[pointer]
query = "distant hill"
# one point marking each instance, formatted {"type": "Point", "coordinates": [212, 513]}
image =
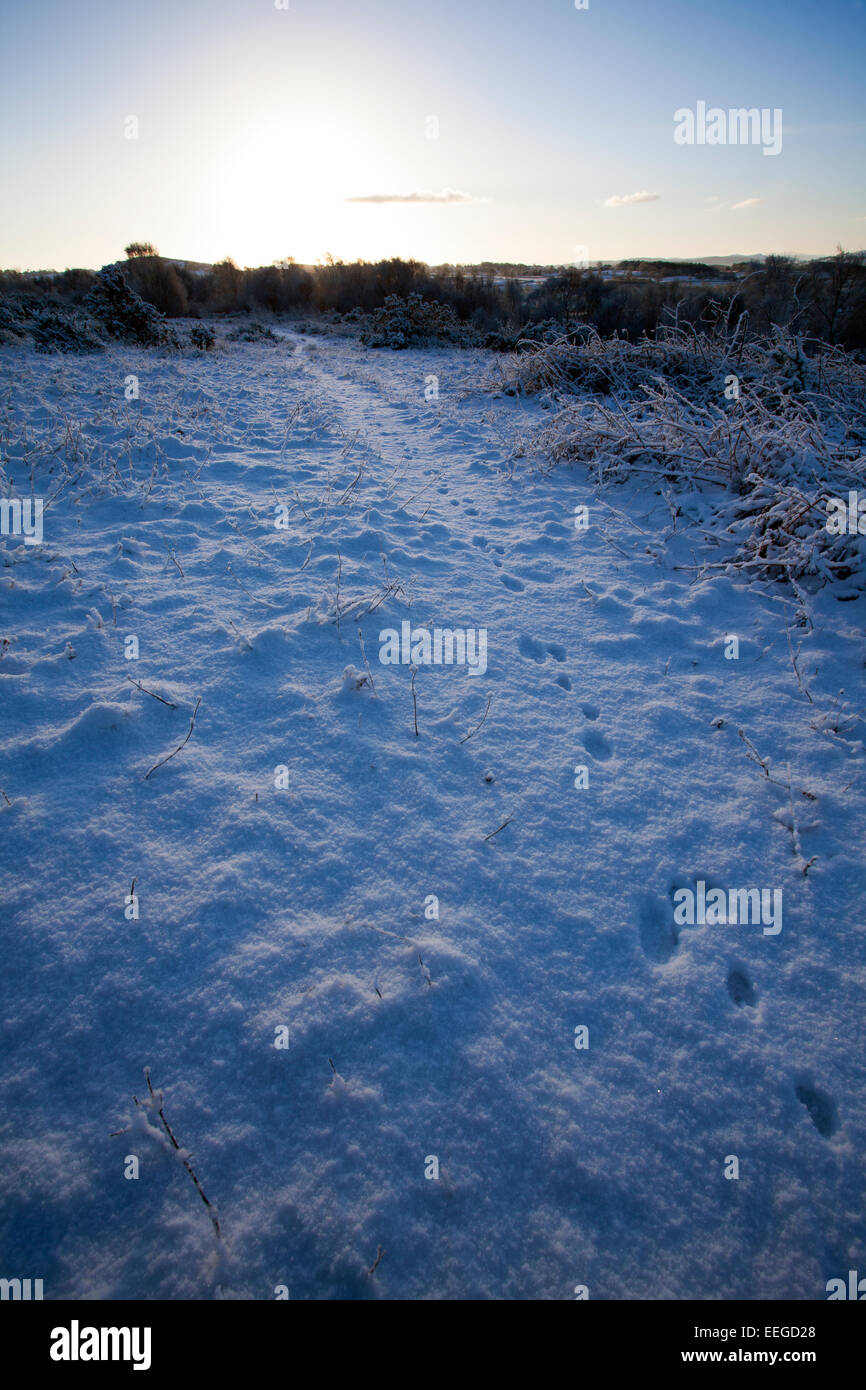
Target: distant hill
{"type": "Point", "coordinates": [739, 259]}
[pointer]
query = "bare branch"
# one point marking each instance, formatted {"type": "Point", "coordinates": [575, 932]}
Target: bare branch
{"type": "Point", "coordinates": [163, 761]}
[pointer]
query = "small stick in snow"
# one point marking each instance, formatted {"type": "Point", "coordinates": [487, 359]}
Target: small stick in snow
{"type": "Point", "coordinates": [466, 737]}
{"type": "Point", "coordinates": [421, 491]}
{"type": "Point", "coordinates": [755, 757]}
{"type": "Point", "coordinates": [171, 556]}
{"type": "Point", "coordinates": [138, 685]}
{"type": "Point", "coordinates": [501, 827]}
{"type": "Point", "coordinates": [796, 668]}
{"type": "Point", "coordinates": [379, 1253]}
{"type": "Point", "coordinates": [255, 598]}
{"type": "Point", "coordinates": [184, 1159]}
{"type": "Point", "coordinates": [754, 754]}
{"type": "Point", "coordinates": [5, 797]}
{"type": "Point", "coordinates": [180, 745]}
{"type": "Point", "coordinates": [415, 700]}
{"type": "Point", "coordinates": [354, 483]}
{"type": "Point", "coordinates": [366, 662]}
{"type": "Point", "coordinates": [795, 834]}
{"type": "Point", "coordinates": [350, 446]}
{"type": "Point", "coordinates": [249, 645]}
{"type": "Point", "coordinates": [426, 971]}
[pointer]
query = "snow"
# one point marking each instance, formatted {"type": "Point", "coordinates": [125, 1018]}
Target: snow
{"type": "Point", "coordinates": [309, 906]}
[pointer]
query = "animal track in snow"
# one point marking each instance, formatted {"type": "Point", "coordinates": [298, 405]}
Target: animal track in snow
{"type": "Point", "coordinates": [821, 1107]}
{"type": "Point", "coordinates": [740, 987]}
{"type": "Point", "coordinates": [597, 745]}
{"type": "Point", "coordinates": [527, 646]}
{"type": "Point", "coordinates": [658, 933]}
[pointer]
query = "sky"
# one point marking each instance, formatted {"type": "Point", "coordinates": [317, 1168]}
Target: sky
{"type": "Point", "coordinates": [445, 130]}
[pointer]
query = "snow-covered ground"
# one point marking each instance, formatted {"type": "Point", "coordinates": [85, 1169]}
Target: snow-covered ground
{"type": "Point", "coordinates": [285, 860]}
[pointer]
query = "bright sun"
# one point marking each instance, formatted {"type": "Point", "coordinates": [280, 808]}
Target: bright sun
{"type": "Point", "coordinates": [281, 190]}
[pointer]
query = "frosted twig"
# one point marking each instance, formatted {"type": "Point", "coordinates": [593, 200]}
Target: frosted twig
{"type": "Point", "coordinates": [795, 666]}
{"type": "Point", "coordinates": [466, 737]}
{"type": "Point", "coordinates": [366, 662]}
{"type": "Point", "coordinates": [795, 834]}
{"type": "Point", "coordinates": [163, 761]}
{"type": "Point", "coordinates": [415, 700]}
{"type": "Point", "coordinates": [354, 483]}
{"type": "Point", "coordinates": [755, 756]}
{"type": "Point", "coordinates": [158, 1102]}
{"type": "Point", "coordinates": [501, 827]}
{"type": "Point", "coordinates": [138, 685]}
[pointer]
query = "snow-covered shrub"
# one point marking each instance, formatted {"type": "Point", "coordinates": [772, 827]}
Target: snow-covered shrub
{"type": "Point", "coordinates": [780, 429]}
{"type": "Point", "coordinates": [59, 330]}
{"type": "Point", "coordinates": [202, 337]}
{"type": "Point", "coordinates": [415, 322]}
{"type": "Point", "coordinates": [11, 327]}
{"type": "Point", "coordinates": [123, 313]}
{"type": "Point", "coordinates": [252, 333]}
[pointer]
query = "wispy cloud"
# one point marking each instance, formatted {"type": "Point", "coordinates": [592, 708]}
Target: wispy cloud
{"type": "Point", "coordinates": [746, 203]}
{"type": "Point", "coordinates": [617, 201]}
{"type": "Point", "coordinates": [448, 195]}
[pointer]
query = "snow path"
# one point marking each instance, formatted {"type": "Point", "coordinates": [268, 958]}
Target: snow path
{"type": "Point", "coordinates": [305, 907]}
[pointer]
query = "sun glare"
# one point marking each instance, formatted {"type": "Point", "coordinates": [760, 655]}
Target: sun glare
{"type": "Point", "coordinates": [281, 190]}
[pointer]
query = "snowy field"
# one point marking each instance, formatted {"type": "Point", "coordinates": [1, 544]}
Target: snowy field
{"type": "Point", "coordinates": [466, 938]}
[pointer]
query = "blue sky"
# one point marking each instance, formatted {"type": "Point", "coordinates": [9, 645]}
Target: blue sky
{"type": "Point", "coordinates": [258, 126]}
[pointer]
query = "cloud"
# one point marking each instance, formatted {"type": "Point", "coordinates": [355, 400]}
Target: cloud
{"type": "Point", "coordinates": [448, 195]}
{"type": "Point", "coordinates": [746, 203]}
{"type": "Point", "coordinates": [621, 202]}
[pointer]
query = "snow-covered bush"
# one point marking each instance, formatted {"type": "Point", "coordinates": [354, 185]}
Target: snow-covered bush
{"type": "Point", "coordinates": [202, 337]}
{"type": "Point", "coordinates": [252, 333]}
{"type": "Point", "coordinates": [59, 330]}
{"type": "Point", "coordinates": [123, 313]}
{"type": "Point", "coordinates": [11, 327]}
{"type": "Point", "coordinates": [780, 429]}
{"type": "Point", "coordinates": [415, 322]}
